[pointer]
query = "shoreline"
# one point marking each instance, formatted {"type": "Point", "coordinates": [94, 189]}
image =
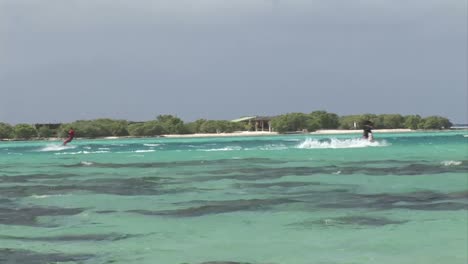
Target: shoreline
{"type": "Point", "coordinates": [249, 134]}
{"type": "Point", "coordinates": [359, 131]}
{"type": "Point", "coordinates": [266, 133]}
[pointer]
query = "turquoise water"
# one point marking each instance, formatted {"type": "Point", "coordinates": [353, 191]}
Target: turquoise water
{"type": "Point", "coordinates": [273, 199]}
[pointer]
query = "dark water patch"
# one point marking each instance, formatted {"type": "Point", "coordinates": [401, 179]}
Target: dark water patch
{"type": "Point", "coordinates": [443, 206]}
{"type": "Point", "coordinates": [261, 173]}
{"type": "Point", "coordinates": [114, 186]}
{"type": "Point", "coordinates": [127, 187]}
{"type": "Point", "coordinates": [4, 201]}
{"type": "Point", "coordinates": [38, 190]}
{"type": "Point", "coordinates": [388, 162]}
{"type": "Point", "coordinates": [106, 211]}
{"type": "Point", "coordinates": [368, 221]}
{"type": "Point", "coordinates": [458, 195]}
{"type": "Point", "coordinates": [174, 164]}
{"type": "Point", "coordinates": [133, 186]}
{"type": "Point", "coordinates": [411, 169]}
{"type": "Point", "coordinates": [225, 262]}
{"type": "Point", "coordinates": [71, 238]}
{"type": "Point", "coordinates": [349, 221]}
{"type": "Point", "coordinates": [416, 197]}
{"type": "Point", "coordinates": [34, 177]}
{"type": "Point", "coordinates": [293, 189]}
{"type": "Point", "coordinates": [292, 184]}
{"type": "Point", "coordinates": [8, 255]}
{"type": "Point", "coordinates": [275, 172]}
{"type": "Point", "coordinates": [28, 216]}
{"type": "Point", "coordinates": [219, 207]}
{"type": "Point", "coordinates": [276, 184]}
{"type": "Point", "coordinates": [423, 200]}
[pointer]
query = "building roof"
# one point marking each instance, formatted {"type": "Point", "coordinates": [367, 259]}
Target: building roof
{"type": "Point", "coordinates": [245, 118]}
{"type": "Point", "coordinates": [253, 118]}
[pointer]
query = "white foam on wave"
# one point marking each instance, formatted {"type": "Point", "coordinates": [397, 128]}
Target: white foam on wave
{"type": "Point", "coordinates": [293, 140]}
{"type": "Point", "coordinates": [451, 163]}
{"type": "Point", "coordinates": [144, 150]}
{"type": "Point", "coordinates": [48, 196]}
{"type": "Point", "coordinates": [56, 147]}
{"type": "Point", "coordinates": [87, 163]}
{"type": "Point", "coordinates": [152, 145]}
{"type": "Point", "coordinates": [334, 143]}
{"type": "Point", "coordinates": [40, 196]}
{"type": "Point", "coordinates": [222, 149]}
{"type": "Point", "coordinates": [82, 152]}
{"type": "Point", "coordinates": [269, 147]}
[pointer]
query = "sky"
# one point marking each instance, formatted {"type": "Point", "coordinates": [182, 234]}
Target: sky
{"type": "Point", "coordinates": [62, 61]}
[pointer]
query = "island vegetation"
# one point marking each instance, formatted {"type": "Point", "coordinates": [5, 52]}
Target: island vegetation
{"type": "Point", "coordinates": [169, 124]}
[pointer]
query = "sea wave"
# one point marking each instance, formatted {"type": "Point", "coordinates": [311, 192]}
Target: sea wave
{"type": "Point", "coordinates": [82, 152]}
{"type": "Point", "coordinates": [47, 196]}
{"type": "Point", "coordinates": [152, 145]}
{"type": "Point", "coordinates": [271, 147]}
{"type": "Point", "coordinates": [451, 163]}
{"type": "Point", "coordinates": [56, 147]}
{"type": "Point", "coordinates": [334, 143]}
{"type": "Point", "coordinates": [222, 149]}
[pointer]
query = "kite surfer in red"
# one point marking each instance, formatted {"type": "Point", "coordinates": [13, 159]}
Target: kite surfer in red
{"type": "Point", "coordinates": [71, 135]}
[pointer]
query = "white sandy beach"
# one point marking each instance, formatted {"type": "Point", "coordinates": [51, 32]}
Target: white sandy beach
{"type": "Point", "coordinates": [252, 133]}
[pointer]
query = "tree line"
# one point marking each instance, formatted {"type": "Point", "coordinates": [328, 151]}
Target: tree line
{"type": "Point", "coordinates": [324, 120]}
{"type": "Point", "coordinates": [169, 124]}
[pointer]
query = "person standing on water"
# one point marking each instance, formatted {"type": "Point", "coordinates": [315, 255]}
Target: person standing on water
{"type": "Point", "coordinates": [71, 135]}
{"type": "Point", "coordinates": [367, 131]}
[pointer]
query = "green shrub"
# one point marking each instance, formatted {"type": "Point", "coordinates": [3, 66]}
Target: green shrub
{"type": "Point", "coordinates": [24, 131]}
{"type": "Point", "coordinates": [6, 131]}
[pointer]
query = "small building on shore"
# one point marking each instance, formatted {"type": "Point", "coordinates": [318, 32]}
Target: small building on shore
{"type": "Point", "coordinates": [256, 123]}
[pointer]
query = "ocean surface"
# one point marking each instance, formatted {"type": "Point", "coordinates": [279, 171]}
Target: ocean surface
{"type": "Point", "coordinates": [295, 199]}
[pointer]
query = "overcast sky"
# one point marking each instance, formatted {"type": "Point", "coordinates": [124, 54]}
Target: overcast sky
{"type": "Point", "coordinates": [221, 59]}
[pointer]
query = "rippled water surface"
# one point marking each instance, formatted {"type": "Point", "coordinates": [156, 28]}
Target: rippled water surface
{"type": "Point", "coordinates": [296, 199]}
